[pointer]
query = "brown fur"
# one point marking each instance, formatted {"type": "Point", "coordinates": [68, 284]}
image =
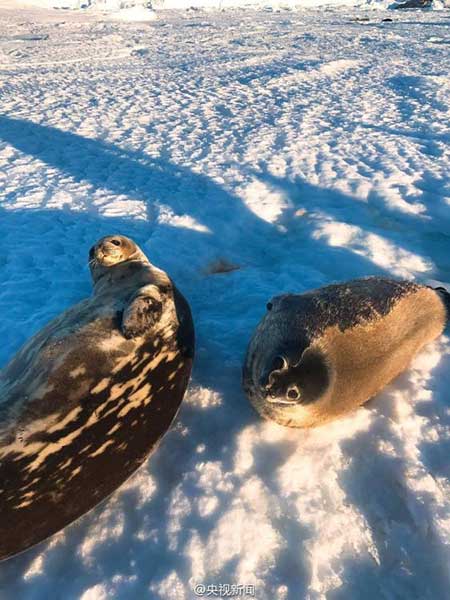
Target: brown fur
{"type": "Point", "coordinates": [89, 396]}
{"type": "Point", "coordinates": [364, 358]}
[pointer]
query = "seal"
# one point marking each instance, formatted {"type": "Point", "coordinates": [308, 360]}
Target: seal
{"type": "Point", "coordinates": [84, 402]}
{"type": "Point", "coordinates": [318, 355]}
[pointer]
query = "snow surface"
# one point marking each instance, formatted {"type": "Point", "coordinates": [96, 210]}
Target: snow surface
{"type": "Point", "coordinates": [289, 149]}
{"type": "Point", "coordinates": [141, 9]}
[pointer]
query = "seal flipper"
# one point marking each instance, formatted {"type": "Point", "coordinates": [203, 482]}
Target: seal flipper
{"type": "Point", "coordinates": [142, 312]}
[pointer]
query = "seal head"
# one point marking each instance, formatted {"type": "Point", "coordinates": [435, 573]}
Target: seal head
{"type": "Point", "coordinates": [290, 381]}
{"type": "Point", "coordinates": [113, 250]}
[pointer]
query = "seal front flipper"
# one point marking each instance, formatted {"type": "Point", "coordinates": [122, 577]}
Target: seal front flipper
{"type": "Point", "coordinates": [143, 312]}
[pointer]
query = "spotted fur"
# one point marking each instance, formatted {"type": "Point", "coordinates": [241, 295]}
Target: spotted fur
{"type": "Point", "coordinates": [89, 396]}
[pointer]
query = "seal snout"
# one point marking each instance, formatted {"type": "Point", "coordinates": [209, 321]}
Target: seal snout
{"type": "Point", "coordinates": [280, 383]}
{"type": "Point", "coordinates": [111, 250]}
{"type": "Point", "coordinates": [108, 250]}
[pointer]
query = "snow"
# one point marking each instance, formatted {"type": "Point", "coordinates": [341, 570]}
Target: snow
{"type": "Point", "coordinates": [249, 152]}
{"type": "Point", "coordinates": [142, 10]}
{"type": "Point", "coordinates": [135, 13]}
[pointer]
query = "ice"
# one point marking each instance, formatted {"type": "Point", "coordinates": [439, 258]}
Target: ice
{"type": "Point", "coordinates": [249, 152]}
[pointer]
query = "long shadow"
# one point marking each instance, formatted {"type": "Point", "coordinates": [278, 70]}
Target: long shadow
{"type": "Point", "coordinates": [269, 257]}
{"type": "Point", "coordinates": [424, 234]}
{"type": "Point", "coordinates": [28, 238]}
{"type": "Point", "coordinates": [411, 561]}
{"type": "Point", "coordinates": [223, 225]}
{"type": "Point", "coordinates": [411, 556]}
{"type": "Point", "coordinates": [122, 171]}
{"type": "Point", "coordinates": [435, 453]}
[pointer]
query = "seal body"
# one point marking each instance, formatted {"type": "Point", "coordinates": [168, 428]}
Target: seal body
{"type": "Point", "coordinates": [89, 396]}
{"type": "Point", "coordinates": [316, 356]}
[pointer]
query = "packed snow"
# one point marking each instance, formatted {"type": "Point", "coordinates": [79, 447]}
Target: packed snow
{"type": "Point", "coordinates": [249, 152]}
{"type": "Point", "coordinates": [140, 10]}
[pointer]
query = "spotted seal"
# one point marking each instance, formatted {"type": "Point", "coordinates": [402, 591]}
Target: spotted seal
{"type": "Point", "coordinates": [316, 356]}
{"type": "Point", "coordinates": [89, 396]}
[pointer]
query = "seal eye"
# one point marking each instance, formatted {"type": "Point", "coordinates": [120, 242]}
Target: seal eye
{"type": "Point", "coordinates": [293, 394]}
{"type": "Point", "coordinates": [116, 242]}
{"type": "Point", "coordinates": [269, 306]}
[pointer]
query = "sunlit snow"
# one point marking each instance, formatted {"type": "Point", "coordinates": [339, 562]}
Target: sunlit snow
{"type": "Point", "coordinates": [249, 152]}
